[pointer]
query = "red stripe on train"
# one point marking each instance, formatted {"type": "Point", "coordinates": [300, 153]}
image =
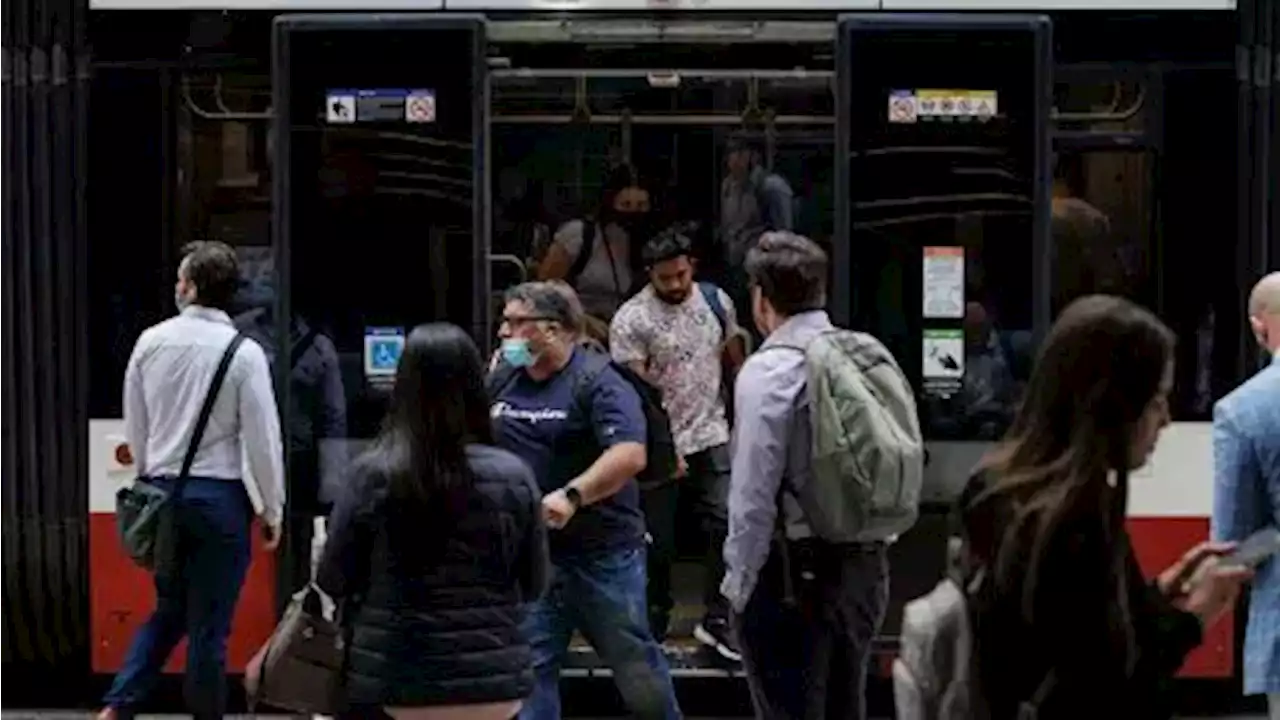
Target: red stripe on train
{"type": "Point", "coordinates": [121, 597]}
{"type": "Point", "coordinates": [1159, 542]}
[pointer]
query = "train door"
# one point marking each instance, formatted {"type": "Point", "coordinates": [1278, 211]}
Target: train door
{"type": "Point", "coordinates": [944, 215]}
{"type": "Point", "coordinates": [380, 224]}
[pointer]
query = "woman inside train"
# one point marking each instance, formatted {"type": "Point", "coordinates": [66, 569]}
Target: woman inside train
{"type": "Point", "coordinates": [435, 548]}
{"type": "Point", "coordinates": [1064, 621]}
{"type": "Point", "coordinates": [600, 257]}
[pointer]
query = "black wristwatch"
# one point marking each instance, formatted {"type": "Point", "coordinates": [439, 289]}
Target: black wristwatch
{"type": "Point", "coordinates": [573, 496]}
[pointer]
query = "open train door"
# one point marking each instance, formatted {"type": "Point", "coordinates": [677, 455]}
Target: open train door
{"type": "Point", "coordinates": [943, 176]}
{"type": "Point", "coordinates": [381, 223]}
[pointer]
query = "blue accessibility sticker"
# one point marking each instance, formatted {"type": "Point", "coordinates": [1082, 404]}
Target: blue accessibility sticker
{"type": "Point", "coordinates": [383, 347]}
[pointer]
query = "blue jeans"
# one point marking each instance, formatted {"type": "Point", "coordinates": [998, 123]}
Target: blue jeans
{"type": "Point", "coordinates": [604, 596]}
{"type": "Point", "coordinates": [196, 600]}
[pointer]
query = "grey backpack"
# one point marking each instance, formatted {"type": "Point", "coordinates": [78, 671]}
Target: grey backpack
{"type": "Point", "coordinates": [867, 452]}
{"type": "Point", "coordinates": [933, 675]}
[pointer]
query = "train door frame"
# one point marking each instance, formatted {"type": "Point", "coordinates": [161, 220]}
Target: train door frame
{"type": "Point", "coordinates": [284, 27]}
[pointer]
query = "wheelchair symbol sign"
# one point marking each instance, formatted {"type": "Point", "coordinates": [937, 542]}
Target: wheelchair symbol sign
{"type": "Point", "coordinates": [382, 350]}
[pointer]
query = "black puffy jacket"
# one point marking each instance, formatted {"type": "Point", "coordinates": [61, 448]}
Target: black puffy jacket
{"type": "Point", "coordinates": [433, 597]}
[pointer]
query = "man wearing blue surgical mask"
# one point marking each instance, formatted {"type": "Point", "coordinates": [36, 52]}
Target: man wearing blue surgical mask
{"type": "Point", "coordinates": [582, 430]}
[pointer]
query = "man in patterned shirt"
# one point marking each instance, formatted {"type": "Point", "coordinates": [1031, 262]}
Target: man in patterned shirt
{"type": "Point", "coordinates": [675, 332]}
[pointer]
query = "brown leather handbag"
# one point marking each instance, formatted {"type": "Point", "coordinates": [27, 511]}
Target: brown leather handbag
{"type": "Point", "coordinates": [300, 666]}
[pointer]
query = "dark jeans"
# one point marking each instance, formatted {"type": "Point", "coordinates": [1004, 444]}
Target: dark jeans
{"type": "Point", "coordinates": [603, 596]}
{"type": "Point", "coordinates": [807, 656]}
{"type": "Point", "coordinates": [196, 600]}
{"type": "Point", "coordinates": [707, 487]}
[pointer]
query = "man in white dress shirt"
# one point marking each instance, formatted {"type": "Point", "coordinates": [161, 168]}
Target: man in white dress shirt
{"type": "Point", "coordinates": [237, 473]}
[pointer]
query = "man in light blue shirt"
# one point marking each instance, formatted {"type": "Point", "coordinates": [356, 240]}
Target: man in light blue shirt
{"type": "Point", "coordinates": [805, 610]}
{"type": "Point", "coordinates": [1246, 460]}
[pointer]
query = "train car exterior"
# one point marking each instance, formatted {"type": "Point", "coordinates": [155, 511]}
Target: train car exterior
{"type": "Point", "coordinates": [1170, 500]}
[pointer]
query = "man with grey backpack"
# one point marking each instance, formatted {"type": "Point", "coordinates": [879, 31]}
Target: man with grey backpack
{"type": "Point", "coordinates": [826, 473]}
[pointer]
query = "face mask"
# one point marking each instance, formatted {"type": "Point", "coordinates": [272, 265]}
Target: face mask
{"type": "Point", "coordinates": [515, 352]}
{"type": "Point", "coordinates": [634, 224]}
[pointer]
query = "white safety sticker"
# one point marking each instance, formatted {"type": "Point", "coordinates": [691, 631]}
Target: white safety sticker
{"type": "Point", "coordinates": [943, 354]}
{"type": "Point", "coordinates": [943, 271]}
{"type": "Point", "coordinates": [340, 109]}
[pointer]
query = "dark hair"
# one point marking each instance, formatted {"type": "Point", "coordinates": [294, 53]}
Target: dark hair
{"type": "Point", "coordinates": [1097, 371]}
{"type": "Point", "coordinates": [438, 406]}
{"type": "Point", "coordinates": [550, 300]}
{"type": "Point", "coordinates": [213, 268]}
{"type": "Point", "coordinates": [619, 178]}
{"type": "Point", "coordinates": [746, 141]}
{"type": "Point", "coordinates": [790, 270]}
{"type": "Point", "coordinates": [666, 245]}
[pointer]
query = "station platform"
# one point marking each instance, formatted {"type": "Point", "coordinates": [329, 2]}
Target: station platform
{"type": "Point", "coordinates": [67, 715]}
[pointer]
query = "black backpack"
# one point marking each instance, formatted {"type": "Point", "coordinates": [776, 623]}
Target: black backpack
{"type": "Point", "coordinates": [662, 462]}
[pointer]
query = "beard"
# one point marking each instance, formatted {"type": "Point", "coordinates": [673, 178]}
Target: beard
{"type": "Point", "coordinates": [672, 298]}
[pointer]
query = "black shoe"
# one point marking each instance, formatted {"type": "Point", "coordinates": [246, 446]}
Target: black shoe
{"type": "Point", "coordinates": [715, 634]}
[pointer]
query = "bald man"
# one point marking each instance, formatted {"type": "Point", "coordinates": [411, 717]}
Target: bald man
{"type": "Point", "coordinates": [1246, 459]}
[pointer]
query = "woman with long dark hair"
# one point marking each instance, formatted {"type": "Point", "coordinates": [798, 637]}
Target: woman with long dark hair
{"type": "Point", "coordinates": [435, 548]}
{"type": "Point", "coordinates": [1062, 614]}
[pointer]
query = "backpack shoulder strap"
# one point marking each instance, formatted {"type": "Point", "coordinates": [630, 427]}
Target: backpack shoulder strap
{"type": "Point", "coordinates": [594, 364]}
{"type": "Point", "coordinates": [500, 379]}
{"type": "Point", "coordinates": [711, 294]}
{"type": "Point", "coordinates": [584, 251]}
{"type": "Point", "coordinates": [300, 348]}
{"type": "Point", "coordinates": [206, 410]}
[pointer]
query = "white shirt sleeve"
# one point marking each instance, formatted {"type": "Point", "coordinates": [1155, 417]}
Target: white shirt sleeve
{"type": "Point", "coordinates": [260, 440]}
{"type": "Point", "coordinates": [135, 407]}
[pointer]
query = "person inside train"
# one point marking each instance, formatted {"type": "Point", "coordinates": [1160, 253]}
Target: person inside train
{"type": "Point", "coordinates": [1086, 252]}
{"type": "Point", "coordinates": [233, 473]}
{"type": "Point", "coordinates": [316, 417]}
{"type": "Point", "coordinates": [1063, 618]}
{"type": "Point", "coordinates": [753, 200]}
{"type": "Point", "coordinates": [677, 333]}
{"type": "Point", "coordinates": [582, 428]}
{"type": "Point", "coordinates": [435, 547]}
{"type": "Point", "coordinates": [600, 256]}
{"type": "Point", "coordinates": [1246, 491]}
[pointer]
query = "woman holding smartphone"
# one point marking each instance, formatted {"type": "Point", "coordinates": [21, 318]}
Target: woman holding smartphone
{"type": "Point", "coordinates": [1063, 618]}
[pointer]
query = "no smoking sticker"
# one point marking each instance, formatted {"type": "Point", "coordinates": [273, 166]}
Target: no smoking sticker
{"type": "Point", "coordinates": [420, 107]}
{"type": "Point", "coordinates": [902, 107]}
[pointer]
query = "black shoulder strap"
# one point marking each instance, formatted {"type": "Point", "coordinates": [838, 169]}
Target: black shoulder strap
{"type": "Point", "coordinates": [595, 364]}
{"type": "Point", "coordinates": [206, 409]}
{"type": "Point", "coordinates": [301, 347]}
{"type": "Point", "coordinates": [711, 294]}
{"type": "Point", "coordinates": [500, 378]}
{"type": "Point", "coordinates": [584, 251]}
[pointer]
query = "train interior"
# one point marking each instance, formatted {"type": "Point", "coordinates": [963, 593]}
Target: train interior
{"type": "Point", "coordinates": [384, 225]}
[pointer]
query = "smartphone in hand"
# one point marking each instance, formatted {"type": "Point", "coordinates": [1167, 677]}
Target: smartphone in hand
{"type": "Point", "coordinates": [1255, 549]}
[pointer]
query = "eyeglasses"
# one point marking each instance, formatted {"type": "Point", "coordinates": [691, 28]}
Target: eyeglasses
{"type": "Point", "coordinates": [515, 321]}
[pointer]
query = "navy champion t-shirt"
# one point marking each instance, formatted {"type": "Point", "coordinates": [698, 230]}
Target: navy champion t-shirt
{"type": "Point", "coordinates": [560, 437]}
